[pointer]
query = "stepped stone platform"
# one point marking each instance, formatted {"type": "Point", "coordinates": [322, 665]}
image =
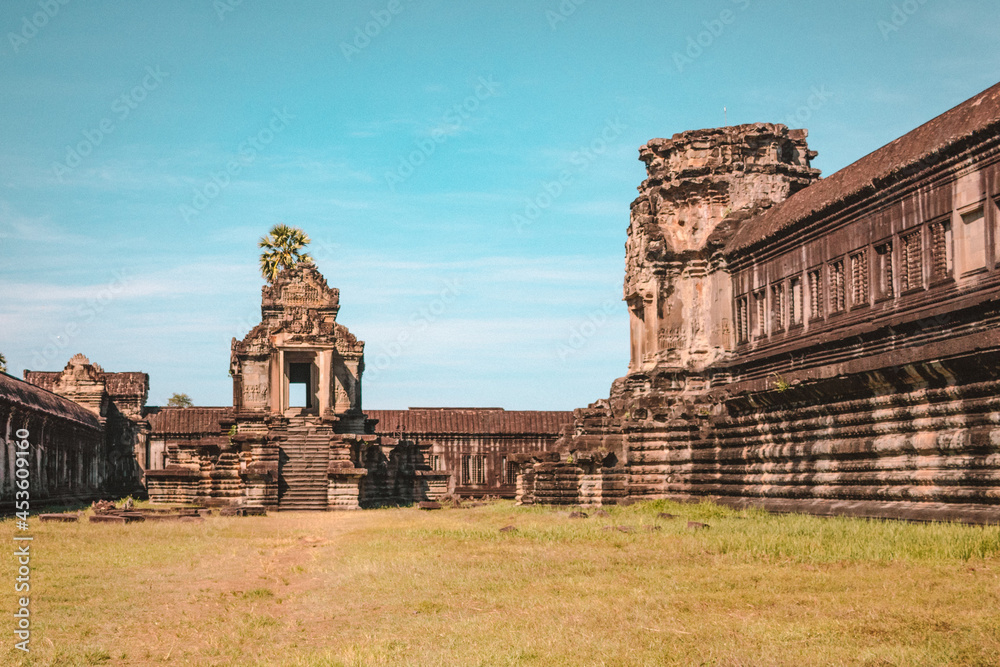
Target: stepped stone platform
{"type": "Point", "coordinates": [303, 465]}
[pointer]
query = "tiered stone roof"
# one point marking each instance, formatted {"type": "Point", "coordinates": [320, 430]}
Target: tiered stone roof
{"type": "Point", "coordinates": [486, 421]}
{"type": "Point", "coordinates": [969, 121]}
{"type": "Point", "coordinates": [29, 396]}
{"type": "Point", "coordinates": [172, 421]}
{"type": "Point", "coordinates": [131, 385]}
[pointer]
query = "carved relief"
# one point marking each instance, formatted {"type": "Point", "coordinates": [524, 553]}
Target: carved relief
{"type": "Point", "coordinates": [341, 397]}
{"type": "Point", "coordinates": [690, 204]}
{"type": "Point", "coordinates": [255, 385]}
{"type": "Point", "coordinates": [298, 294]}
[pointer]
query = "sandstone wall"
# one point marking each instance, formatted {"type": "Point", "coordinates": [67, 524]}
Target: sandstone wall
{"type": "Point", "coordinates": [699, 186]}
{"type": "Point", "coordinates": [68, 459]}
{"type": "Point", "coordinates": [835, 352]}
{"type": "Point", "coordinates": [449, 438]}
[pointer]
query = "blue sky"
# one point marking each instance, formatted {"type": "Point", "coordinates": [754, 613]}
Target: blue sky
{"type": "Point", "coordinates": [146, 146]}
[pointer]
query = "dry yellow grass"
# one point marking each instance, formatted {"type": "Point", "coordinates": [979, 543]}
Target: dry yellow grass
{"type": "Point", "coordinates": [401, 587]}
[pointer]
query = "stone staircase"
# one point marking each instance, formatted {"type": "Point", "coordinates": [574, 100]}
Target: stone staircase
{"type": "Point", "coordinates": [303, 463]}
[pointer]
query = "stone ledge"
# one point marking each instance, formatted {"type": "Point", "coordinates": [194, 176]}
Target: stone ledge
{"type": "Point", "coordinates": [862, 509]}
{"type": "Point", "coordinates": [344, 471]}
{"type": "Point", "coordinates": [443, 474]}
{"type": "Point", "coordinates": [168, 473]}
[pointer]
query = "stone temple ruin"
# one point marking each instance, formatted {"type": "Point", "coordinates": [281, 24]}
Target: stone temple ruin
{"type": "Point", "coordinates": [294, 438]}
{"type": "Point", "coordinates": [799, 344]}
{"type": "Point", "coordinates": [86, 429]}
{"type": "Point", "coordinates": [322, 451]}
{"type": "Point", "coordinates": [826, 346]}
{"type": "Point", "coordinates": [316, 443]}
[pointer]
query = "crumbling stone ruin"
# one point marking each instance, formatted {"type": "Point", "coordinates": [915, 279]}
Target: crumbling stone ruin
{"type": "Point", "coordinates": [799, 344]}
{"type": "Point", "coordinates": [304, 452]}
{"type": "Point", "coordinates": [828, 346]}
{"type": "Point", "coordinates": [297, 438]}
{"type": "Point", "coordinates": [84, 430]}
{"type": "Point", "coordinates": [294, 438]}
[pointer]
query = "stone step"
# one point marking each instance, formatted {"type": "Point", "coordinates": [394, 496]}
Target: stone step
{"type": "Point", "coordinates": [306, 454]}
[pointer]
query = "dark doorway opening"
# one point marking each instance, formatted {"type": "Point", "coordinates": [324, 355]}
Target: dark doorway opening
{"type": "Point", "coordinates": [299, 386]}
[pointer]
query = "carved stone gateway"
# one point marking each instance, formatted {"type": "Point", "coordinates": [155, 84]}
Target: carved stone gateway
{"type": "Point", "coordinates": [296, 429]}
{"type": "Point", "coordinates": [828, 346]}
{"type": "Point", "coordinates": [296, 436]}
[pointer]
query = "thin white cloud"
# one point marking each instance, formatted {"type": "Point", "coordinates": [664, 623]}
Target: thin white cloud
{"type": "Point", "coordinates": [200, 278]}
{"type": "Point", "coordinates": [15, 226]}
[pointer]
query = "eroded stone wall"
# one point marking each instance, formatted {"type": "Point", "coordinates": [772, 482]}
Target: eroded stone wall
{"type": "Point", "coordinates": [837, 352]}
{"type": "Point", "coordinates": [68, 460]}
{"type": "Point", "coordinates": [699, 186]}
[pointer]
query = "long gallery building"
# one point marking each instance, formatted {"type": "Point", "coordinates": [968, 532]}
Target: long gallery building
{"type": "Point", "coordinates": [827, 346]}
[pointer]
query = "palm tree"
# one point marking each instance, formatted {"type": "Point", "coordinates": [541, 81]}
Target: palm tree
{"type": "Point", "coordinates": [3, 364]}
{"type": "Point", "coordinates": [282, 249]}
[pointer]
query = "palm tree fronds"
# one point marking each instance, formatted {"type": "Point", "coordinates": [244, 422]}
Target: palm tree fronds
{"type": "Point", "coordinates": [283, 248]}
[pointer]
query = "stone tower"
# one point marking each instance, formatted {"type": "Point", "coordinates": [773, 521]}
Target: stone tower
{"type": "Point", "coordinates": [826, 346]}
{"type": "Point", "coordinates": [700, 186]}
{"type": "Point", "coordinates": [297, 398]}
{"type": "Point", "coordinates": [299, 342]}
{"type": "Point", "coordinates": [296, 437]}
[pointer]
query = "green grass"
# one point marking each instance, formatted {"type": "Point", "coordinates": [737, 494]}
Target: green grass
{"type": "Point", "coordinates": [404, 587]}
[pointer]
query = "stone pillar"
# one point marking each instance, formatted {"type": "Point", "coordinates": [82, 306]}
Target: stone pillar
{"type": "Point", "coordinates": [699, 186]}
{"type": "Point", "coordinates": [525, 486]}
{"type": "Point", "coordinates": [345, 488]}
{"type": "Point", "coordinates": [431, 484]}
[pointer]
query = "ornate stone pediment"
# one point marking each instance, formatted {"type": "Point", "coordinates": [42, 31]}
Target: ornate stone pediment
{"type": "Point", "coordinates": [299, 294]}
{"type": "Point", "coordinates": [298, 303]}
{"type": "Point", "coordinates": [347, 343]}
{"type": "Point", "coordinates": [300, 287]}
{"type": "Point", "coordinates": [79, 368]}
{"type": "Point", "coordinates": [298, 317]}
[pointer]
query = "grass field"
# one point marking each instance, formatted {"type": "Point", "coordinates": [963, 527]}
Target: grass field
{"type": "Point", "coordinates": [402, 586]}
